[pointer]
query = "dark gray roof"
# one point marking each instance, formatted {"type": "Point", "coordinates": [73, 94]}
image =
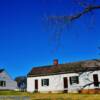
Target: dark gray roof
{"type": "Point", "coordinates": [89, 65]}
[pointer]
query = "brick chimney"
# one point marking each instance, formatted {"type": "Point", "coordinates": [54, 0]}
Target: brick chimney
{"type": "Point", "coordinates": [55, 61]}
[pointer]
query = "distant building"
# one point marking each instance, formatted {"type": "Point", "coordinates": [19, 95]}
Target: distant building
{"type": "Point", "coordinates": [83, 76]}
{"type": "Point", "coordinates": [21, 82]}
{"type": "Point", "coordinates": [6, 82]}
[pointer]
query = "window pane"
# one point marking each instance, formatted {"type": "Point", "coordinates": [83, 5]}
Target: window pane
{"type": "Point", "coordinates": [45, 82]}
{"type": "Point", "coordinates": [2, 83]}
{"type": "Point", "coordinates": [74, 79]}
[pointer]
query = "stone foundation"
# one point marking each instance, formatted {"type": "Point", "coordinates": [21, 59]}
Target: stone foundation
{"type": "Point", "coordinates": [90, 91]}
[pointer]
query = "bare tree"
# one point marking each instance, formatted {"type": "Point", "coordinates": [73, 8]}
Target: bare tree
{"type": "Point", "coordinates": [60, 22]}
{"type": "Point", "coordinates": [86, 9]}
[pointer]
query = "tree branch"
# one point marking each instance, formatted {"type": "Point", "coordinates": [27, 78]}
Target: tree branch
{"type": "Point", "coordinates": [73, 17]}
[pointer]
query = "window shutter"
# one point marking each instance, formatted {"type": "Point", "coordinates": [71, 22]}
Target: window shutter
{"type": "Point", "coordinates": [77, 78]}
{"type": "Point", "coordinates": [70, 80]}
{"type": "Point", "coordinates": [42, 82]}
{"type": "Point", "coordinates": [47, 82]}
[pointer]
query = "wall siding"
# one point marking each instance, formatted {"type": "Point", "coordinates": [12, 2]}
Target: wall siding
{"type": "Point", "coordinates": [10, 84]}
{"type": "Point", "coordinates": [56, 82]}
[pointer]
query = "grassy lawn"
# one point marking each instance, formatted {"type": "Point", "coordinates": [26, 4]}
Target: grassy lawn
{"type": "Point", "coordinates": [51, 96]}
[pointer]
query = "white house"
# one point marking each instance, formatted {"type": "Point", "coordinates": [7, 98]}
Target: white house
{"type": "Point", "coordinates": [6, 82]}
{"type": "Point", "coordinates": [75, 77]}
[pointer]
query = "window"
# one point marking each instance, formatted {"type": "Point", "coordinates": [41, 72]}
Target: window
{"type": "Point", "coordinates": [2, 83]}
{"type": "Point", "coordinates": [74, 79]}
{"type": "Point", "coordinates": [45, 82]}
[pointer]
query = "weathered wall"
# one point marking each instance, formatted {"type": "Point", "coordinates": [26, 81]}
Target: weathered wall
{"type": "Point", "coordinates": [87, 77]}
{"type": "Point", "coordinates": [56, 82]}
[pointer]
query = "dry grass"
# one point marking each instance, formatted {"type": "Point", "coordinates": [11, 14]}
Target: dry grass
{"type": "Point", "coordinates": [51, 96]}
{"type": "Point", "coordinates": [65, 96]}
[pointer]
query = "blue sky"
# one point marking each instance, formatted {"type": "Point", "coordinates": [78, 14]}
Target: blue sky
{"type": "Point", "coordinates": [26, 40]}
